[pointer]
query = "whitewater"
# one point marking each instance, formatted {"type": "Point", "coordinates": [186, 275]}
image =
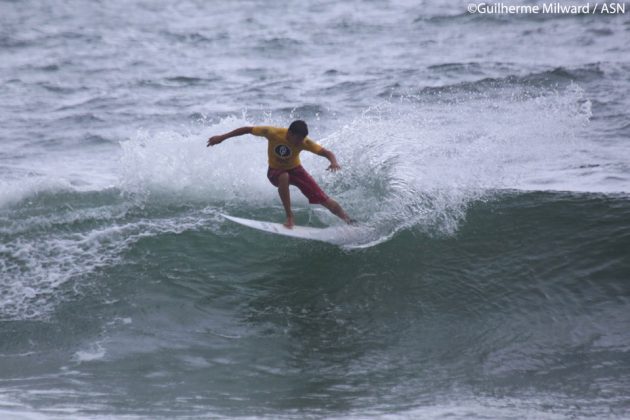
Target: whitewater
{"type": "Point", "coordinates": [486, 153]}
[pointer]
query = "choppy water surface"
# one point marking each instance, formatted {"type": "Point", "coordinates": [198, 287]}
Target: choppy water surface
{"type": "Point", "coordinates": [487, 154]}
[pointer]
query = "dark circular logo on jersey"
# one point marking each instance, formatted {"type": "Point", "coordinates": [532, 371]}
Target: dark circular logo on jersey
{"type": "Point", "coordinates": [282, 150]}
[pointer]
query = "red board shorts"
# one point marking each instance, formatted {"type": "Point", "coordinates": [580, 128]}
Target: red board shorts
{"type": "Point", "coordinates": [301, 179]}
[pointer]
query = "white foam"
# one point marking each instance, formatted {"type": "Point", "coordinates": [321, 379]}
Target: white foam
{"type": "Point", "coordinates": [175, 165]}
{"type": "Point", "coordinates": [34, 270]}
{"type": "Point", "coordinates": [423, 163]}
{"type": "Point", "coordinates": [18, 188]}
{"type": "Point", "coordinates": [95, 352]}
{"type": "Point", "coordinates": [413, 162]}
{"type": "Point", "coordinates": [547, 407]}
{"type": "Point", "coordinates": [72, 170]}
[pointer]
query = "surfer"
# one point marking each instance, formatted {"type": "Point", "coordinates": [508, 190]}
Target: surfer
{"type": "Point", "coordinates": [284, 147]}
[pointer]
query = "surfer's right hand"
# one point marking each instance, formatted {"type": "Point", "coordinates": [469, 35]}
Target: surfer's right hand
{"type": "Point", "coordinates": [214, 140]}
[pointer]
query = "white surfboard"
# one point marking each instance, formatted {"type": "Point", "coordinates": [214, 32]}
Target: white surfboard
{"type": "Point", "coordinates": [333, 235]}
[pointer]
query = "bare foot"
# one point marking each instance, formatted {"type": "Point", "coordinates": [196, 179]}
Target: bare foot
{"type": "Point", "coordinates": [289, 223]}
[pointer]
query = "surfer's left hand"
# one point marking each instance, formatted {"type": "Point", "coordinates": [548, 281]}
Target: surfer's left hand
{"type": "Point", "coordinates": [334, 167]}
{"type": "Point", "coordinates": [214, 140]}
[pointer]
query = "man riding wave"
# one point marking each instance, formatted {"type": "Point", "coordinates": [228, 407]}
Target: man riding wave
{"type": "Point", "coordinates": [285, 168]}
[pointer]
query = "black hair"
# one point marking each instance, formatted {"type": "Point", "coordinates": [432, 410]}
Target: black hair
{"type": "Point", "coordinates": [299, 128]}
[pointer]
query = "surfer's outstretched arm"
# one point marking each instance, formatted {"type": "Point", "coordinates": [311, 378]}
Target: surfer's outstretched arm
{"type": "Point", "coordinates": [214, 140]}
{"type": "Point", "coordinates": [334, 166]}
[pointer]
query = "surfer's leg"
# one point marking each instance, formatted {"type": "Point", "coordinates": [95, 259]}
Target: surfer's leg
{"type": "Point", "coordinates": [301, 179]}
{"type": "Point", "coordinates": [285, 196]}
{"type": "Point", "coordinates": [337, 210]}
{"type": "Point", "coordinates": [280, 178]}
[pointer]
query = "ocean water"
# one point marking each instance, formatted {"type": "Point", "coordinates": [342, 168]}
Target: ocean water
{"type": "Point", "coordinates": [487, 154]}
